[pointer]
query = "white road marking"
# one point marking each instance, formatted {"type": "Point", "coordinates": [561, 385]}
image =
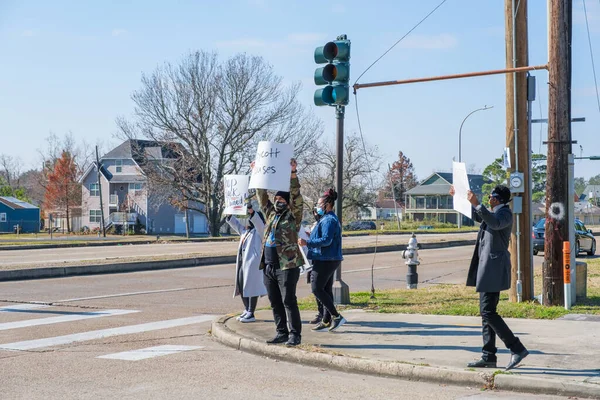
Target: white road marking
{"type": "Point", "coordinates": [63, 318]}
{"type": "Point", "coordinates": [19, 307]}
{"type": "Point", "coordinates": [104, 333]}
{"type": "Point", "coordinates": [121, 295]}
{"type": "Point", "coordinates": [149, 352]}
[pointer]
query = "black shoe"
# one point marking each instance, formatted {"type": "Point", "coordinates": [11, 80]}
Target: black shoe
{"type": "Point", "coordinates": [337, 322]}
{"type": "Point", "coordinates": [280, 338]}
{"type": "Point", "coordinates": [293, 341]}
{"type": "Point", "coordinates": [481, 363]}
{"type": "Point", "coordinates": [516, 358]}
{"type": "Point", "coordinates": [316, 320]}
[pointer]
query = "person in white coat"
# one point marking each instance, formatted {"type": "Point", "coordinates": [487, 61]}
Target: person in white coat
{"type": "Point", "coordinates": [248, 277]}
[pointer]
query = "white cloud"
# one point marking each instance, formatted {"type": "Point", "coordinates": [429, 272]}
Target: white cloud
{"type": "Point", "coordinates": [119, 32]}
{"type": "Point", "coordinates": [429, 42]}
{"type": "Point", "coordinates": [306, 38]}
{"type": "Point", "coordinates": [242, 43]}
{"type": "Point", "coordinates": [28, 33]}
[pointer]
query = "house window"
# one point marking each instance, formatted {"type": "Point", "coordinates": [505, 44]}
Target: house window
{"type": "Point", "coordinates": [135, 187]}
{"type": "Point", "coordinates": [95, 216]}
{"type": "Point", "coordinates": [2, 217]}
{"type": "Point", "coordinates": [94, 189]}
{"type": "Point", "coordinates": [118, 166]}
{"type": "Point", "coordinates": [420, 202]}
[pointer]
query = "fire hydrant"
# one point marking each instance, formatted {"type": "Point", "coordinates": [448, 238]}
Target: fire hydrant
{"type": "Point", "coordinates": [411, 255]}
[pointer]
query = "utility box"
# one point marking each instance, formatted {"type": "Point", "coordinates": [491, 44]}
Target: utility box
{"type": "Point", "coordinates": [581, 281]}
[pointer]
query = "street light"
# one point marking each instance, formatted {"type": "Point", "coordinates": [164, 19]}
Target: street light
{"type": "Point", "coordinates": [461, 125]}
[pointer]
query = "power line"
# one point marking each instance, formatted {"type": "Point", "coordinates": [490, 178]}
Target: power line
{"type": "Point", "coordinates": [399, 40]}
{"type": "Point", "coordinates": [591, 53]}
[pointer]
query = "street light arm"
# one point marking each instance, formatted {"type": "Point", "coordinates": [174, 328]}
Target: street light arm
{"type": "Point", "coordinates": [461, 125]}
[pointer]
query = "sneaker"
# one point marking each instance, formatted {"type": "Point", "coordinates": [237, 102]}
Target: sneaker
{"type": "Point", "coordinates": [316, 320]}
{"type": "Point", "coordinates": [337, 322]}
{"type": "Point", "coordinates": [293, 341]}
{"type": "Point", "coordinates": [280, 338]}
{"type": "Point", "coordinates": [321, 326]}
{"type": "Point", "coordinates": [242, 315]}
{"type": "Point", "coordinates": [248, 318]}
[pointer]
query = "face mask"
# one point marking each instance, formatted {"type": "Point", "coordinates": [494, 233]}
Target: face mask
{"type": "Point", "coordinates": [316, 215]}
{"type": "Point", "coordinates": [320, 211]}
{"type": "Point", "coordinates": [280, 206]}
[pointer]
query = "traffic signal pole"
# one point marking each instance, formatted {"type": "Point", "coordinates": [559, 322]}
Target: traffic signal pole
{"type": "Point", "coordinates": [341, 291]}
{"type": "Point", "coordinates": [335, 77]}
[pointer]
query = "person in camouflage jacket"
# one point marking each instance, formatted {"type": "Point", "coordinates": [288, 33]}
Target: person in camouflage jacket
{"type": "Point", "coordinates": [281, 258]}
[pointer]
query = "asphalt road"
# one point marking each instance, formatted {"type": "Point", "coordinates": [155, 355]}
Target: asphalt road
{"type": "Point", "coordinates": [85, 344]}
{"type": "Point", "coordinates": [128, 252]}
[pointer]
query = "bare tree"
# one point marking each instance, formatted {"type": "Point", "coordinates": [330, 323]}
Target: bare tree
{"type": "Point", "coordinates": [211, 115]}
{"type": "Point", "coordinates": [10, 170]}
{"type": "Point", "coordinates": [360, 174]}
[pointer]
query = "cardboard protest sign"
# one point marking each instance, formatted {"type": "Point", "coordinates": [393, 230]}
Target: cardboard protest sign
{"type": "Point", "coordinates": [272, 167]}
{"type": "Point", "coordinates": [236, 193]}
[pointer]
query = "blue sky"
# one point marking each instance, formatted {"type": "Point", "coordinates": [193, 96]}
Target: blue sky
{"type": "Point", "coordinates": [72, 66]}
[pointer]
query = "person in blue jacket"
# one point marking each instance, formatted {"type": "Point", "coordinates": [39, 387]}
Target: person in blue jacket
{"type": "Point", "coordinates": [325, 251]}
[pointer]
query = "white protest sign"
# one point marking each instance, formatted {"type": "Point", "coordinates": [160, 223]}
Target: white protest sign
{"type": "Point", "coordinates": [272, 167]}
{"type": "Point", "coordinates": [236, 193]}
{"type": "Point", "coordinates": [461, 187]}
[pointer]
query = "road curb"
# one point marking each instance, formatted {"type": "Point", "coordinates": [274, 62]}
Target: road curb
{"type": "Point", "coordinates": [546, 386]}
{"type": "Point", "coordinates": [115, 243]}
{"type": "Point", "coordinates": [406, 371]}
{"type": "Point", "coordinates": [97, 269]}
{"type": "Point", "coordinates": [348, 364]}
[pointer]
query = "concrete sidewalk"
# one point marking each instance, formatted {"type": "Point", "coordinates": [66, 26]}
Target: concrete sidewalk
{"type": "Point", "coordinates": [563, 356]}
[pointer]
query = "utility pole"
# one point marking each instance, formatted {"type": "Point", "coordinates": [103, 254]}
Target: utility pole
{"type": "Point", "coordinates": [98, 167]}
{"type": "Point", "coordinates": [341, 291]}
{"type": "Point", "coordinates": [517, 140]}
{"type": "Point", "coordinates": [558, 216]}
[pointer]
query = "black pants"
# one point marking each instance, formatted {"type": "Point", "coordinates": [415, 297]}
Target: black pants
{"type": "Point", "coordinates": [492, 325]}
{"type": "Point", "coordinates": [281, 289]}
{"type": "Point", "coordinates": [249, 302]}
{"type": "Point", "coordinates": [322, 286]}
{"type": "Point", "coordinates": [320, 312]}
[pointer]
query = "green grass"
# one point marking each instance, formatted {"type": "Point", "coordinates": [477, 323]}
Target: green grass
{"type": "Point", "coordinates": [463, 301]}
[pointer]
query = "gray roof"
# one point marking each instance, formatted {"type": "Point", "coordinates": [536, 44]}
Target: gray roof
{"type": "Point", "coordinates": [595, 189]}
{"type": "Point", "coordinates": [14, 203]}
{"type": "Point", "coordinates": [119, 178]}
{"type": "Point", "coordinates": [476, 183]}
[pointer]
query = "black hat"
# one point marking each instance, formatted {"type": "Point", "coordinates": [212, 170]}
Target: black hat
{"type": "Point", "coordinates": [502, 193]}
{"type": "Point", "coordinates": [285, 195]}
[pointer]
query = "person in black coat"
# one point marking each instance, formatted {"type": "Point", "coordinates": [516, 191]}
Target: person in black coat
{"type": "Point", "coordinates": [489, 272]}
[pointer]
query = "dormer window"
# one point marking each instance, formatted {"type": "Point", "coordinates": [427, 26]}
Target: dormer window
{"type": "Point", "coordinates": [118, 166]}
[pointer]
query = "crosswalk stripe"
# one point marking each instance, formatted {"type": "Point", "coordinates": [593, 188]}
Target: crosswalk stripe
{"type": "Point", "coordinates": [63, 318]}
{"type": "Point", "coordinates": [21, 307]}
{"type": "Point", "coordinates": [104, 333]}
{"type": "Point", "coordinates": [149, 352]}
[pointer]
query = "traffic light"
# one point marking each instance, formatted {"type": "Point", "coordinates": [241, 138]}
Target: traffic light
{"type": "Point", "coordinates": [336, 74]}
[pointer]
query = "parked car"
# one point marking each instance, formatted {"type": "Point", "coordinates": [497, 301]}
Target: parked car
{"type": "Point", "coordinates": [584, 240]}
{"type": "Point", "coordinates": [360, 226]}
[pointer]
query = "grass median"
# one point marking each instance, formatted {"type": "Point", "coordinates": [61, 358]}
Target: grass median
{"type": "Point", "coordinates": [461, 300]}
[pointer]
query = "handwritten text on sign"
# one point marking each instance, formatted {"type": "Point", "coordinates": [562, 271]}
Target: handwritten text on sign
{"type": "Point", "coordinates": [272, 166]}
{"type": "Point", "coordinates": [236, 193]}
